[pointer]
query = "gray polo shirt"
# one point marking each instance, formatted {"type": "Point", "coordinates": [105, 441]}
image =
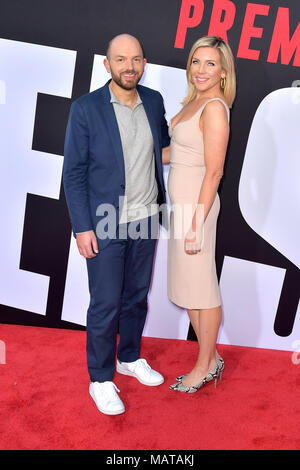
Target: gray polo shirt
{"type": "Point", "coordinates": [139, 161]}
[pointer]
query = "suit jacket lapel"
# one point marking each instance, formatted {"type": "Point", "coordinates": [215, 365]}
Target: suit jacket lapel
{"type": "Point", "coordinates": [106, 109]}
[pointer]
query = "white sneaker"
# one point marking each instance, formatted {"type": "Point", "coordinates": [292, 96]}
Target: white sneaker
{"type": "Point", "coordinates": [105, 396]}
{"type": "Point", "coordinates": [141, 370]}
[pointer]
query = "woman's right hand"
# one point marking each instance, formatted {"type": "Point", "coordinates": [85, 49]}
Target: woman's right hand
{"type": "Point", "coordinates": [166, 155]}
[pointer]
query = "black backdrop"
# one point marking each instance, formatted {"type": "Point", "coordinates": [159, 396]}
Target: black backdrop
{"type": "Point", "coordinates": [86, 26]}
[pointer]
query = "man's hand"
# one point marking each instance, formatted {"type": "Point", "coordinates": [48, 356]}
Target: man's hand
{"type": "Point", "coordinates": [87, 244]}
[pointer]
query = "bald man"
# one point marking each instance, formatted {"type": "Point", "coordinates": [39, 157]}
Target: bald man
{"type": "Point", "coordinates": [114, 188]}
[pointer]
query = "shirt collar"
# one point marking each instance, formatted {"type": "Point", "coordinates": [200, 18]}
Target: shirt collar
{"type": "Point", "coordinates": [114, 99]}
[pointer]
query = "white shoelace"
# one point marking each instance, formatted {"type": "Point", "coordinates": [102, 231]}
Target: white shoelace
{"type": "Point", "coordinates": [108, 390]}
{"type": "Point", "coordinates": [143, 365]}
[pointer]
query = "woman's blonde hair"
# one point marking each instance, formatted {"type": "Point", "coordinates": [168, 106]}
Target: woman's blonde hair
{"type": "Point", "coordinates": [227, 62]}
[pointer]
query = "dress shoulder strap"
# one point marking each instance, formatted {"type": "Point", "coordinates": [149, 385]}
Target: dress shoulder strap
{"type": "Point", "coordinates": [218, 99]}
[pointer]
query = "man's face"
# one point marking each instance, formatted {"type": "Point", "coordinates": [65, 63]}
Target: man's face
{"type": "Point", "coordinates": [125, 62]}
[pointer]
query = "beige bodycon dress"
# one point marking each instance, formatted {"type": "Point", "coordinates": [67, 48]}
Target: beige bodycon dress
{"type": "Point", "coordinates": [192, 279]}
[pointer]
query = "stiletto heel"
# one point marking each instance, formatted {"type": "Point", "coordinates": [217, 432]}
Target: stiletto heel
{"type": "Point", "coordinates": [221, 366]}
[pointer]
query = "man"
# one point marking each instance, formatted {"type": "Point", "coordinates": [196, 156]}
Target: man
{"type": "Point", "coordinates": [113, 149]}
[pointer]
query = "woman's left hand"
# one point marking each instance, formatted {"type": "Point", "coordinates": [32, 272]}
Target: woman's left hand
{"type": "Point", "coordinates": [194, 238]}
{"type": "Point", "coordinates": [193, 242]}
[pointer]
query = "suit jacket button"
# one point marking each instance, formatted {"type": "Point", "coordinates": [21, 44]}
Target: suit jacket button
{"type": "Point", "coordinates": [123, 186]}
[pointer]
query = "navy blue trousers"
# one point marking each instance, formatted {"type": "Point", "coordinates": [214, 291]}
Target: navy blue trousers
{"type": "Point", "coordinates": [119, 281]}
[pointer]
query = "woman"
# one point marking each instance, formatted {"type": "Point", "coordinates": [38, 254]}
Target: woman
{"type": "Point", "coordinates": [199, 138]}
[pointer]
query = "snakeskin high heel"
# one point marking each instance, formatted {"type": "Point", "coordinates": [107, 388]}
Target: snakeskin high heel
{"type": "Point", "coordinates": [213, 374]}
{"type": "Point", "coordinates": [179, 387]}
{"type": "Point", "coordinates": [221, 364]}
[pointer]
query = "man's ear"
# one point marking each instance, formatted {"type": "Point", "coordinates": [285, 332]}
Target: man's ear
{"type": "Point", "coordinates": [106, 64]}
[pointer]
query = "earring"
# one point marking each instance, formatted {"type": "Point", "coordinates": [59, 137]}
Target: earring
{"type": "Point", "coordinates": [223, 82]}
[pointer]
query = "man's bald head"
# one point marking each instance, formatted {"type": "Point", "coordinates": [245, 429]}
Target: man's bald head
{"type": "Point", "coordinates": [119, 41]}
{"type": "Point", "coordinates": [125, 61]}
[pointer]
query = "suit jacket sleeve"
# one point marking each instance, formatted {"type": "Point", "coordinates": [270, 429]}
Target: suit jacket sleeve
{"type": "Point", "coordinates": [75, 170]}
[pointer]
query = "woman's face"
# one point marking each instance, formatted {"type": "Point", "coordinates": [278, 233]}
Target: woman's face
{"type": "Point", "coordinates": [206, 70]}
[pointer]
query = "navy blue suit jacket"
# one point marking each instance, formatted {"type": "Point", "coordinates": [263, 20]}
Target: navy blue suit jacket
{"type": "Point", "coordinates": [93, 171]}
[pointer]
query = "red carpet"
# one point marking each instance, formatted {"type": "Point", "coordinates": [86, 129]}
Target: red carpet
{"type": "Point", "coordinates": [45, 402]}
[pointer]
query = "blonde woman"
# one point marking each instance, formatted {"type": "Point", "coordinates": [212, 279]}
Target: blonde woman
{"type": "Point", "coordinates": [199, 138]}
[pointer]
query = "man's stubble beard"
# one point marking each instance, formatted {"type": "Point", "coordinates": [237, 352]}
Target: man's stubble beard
{"type": "Point", "coordinates": [130, 86]}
